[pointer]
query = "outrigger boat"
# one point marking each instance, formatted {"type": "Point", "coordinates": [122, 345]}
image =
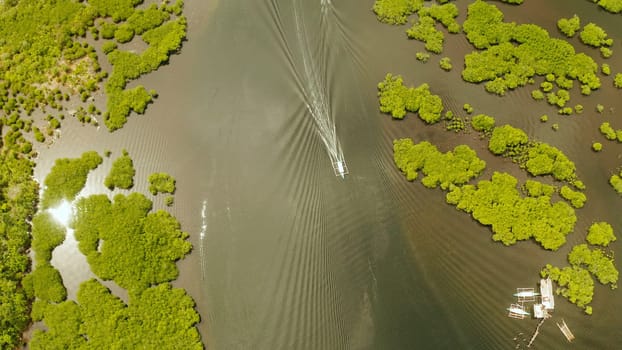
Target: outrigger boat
{"type": "Point", "coordinates": [517, 311]}
{"type": "Point", "coordinates": [526, 294]}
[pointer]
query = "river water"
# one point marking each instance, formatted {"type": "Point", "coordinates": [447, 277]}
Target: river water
{"type": "Point", "coordinates": [289, 256]}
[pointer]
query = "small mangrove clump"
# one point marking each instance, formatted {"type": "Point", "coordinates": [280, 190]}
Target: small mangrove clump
{"type": "Point", "coordinates": [569, 26]}
{"type": "Point", "coordinates": [468, 108]}
{"type": "Point", "coordinates": [537, 158]}
{"type": "Point", "coordinates": [122, 173]}
{"type": "Point", "coordinates": [616, 181]}
{"type": "Point", "coordinates": [396, 99]}
{"type": "Point", "coordinates": [609, 132]}
{"type": "Point", "coordinates": [425, 30]}
{"type": "Point", "coordinates": [483, 123]}
{"type": "Point", "coordinates": [613, 6]}
{"type": "Point", "coordinates": [453, 168]}
{"type": "Point", "coordinates": [422, 56]}
{"type": "Point", "coordinates": [600, 108]}
{"type": "Point", "coordinates": [396, 11]}
{"type": "Point", "coordinates": [445, 64]}
{"type": "Point", "coordinates": [595, 36]}
{"type": "Point", "coordinates": [600, 233]}
{"type": "Point", "coordinates": [161, 183]}
{"type": "Point", "coordinates": [576, 199]}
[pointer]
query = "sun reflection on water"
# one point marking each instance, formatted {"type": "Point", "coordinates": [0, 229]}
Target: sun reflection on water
{"type": "Point", "coordinates": [62, 213]}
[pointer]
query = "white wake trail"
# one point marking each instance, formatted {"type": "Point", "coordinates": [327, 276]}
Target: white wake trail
{"type": "Point", "coordinates": [315, 93]}
{"type": "Point", "coordinates": [202, 236]}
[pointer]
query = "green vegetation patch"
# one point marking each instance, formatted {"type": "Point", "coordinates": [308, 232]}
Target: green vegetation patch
{"type": "Point", "coordinates": [67, 178]}
{"type": "Point", "coordinates": [119, 10]}
{"type": "Point", "coordinates": [425, 30]}
{"type": "Point", "coordinates": [143, 20]}
{"type": "Point", "coordinates": [537, 189]}
{"type": "Point", "coordinates": [19, 193]}
{"type": "Point", "coordinates": [609, 132]}
{"type": "Point", "coordinates": [616, 181]}
{"type": "Point", "coordinates": [606, 52]}
{"type": "Point", "coordinates": [63, 323]}
{"type": "Point", "coordinates": [595, 36]}
{"type": "Point", "coordinates": [126, 243]}
{"type": "Point", "coordinates": [468, 108]}
{"type": "Point", "coordinates": [422, 56]}
{"type": "Point", "coordinates": [396, 99]}
{"type": "Point", "coordinates": [576, 199]}
{"type": "Point", "coordinates": [512, 54]}
{"type": "Point", "coordinates": [163, 41]}
{"type": "Point", "coordinates": [453, 168]}
{"type": "Point", "coordinates": [136, 248]}
{"type": "Point", "coordinates": [158, 317]}
{"type": "Point", "coordinates": [47, 234]}
{"type": "Point", "coordinates": [569, 26]}
{"type": "Point", "coordinates": [600, 233]}
{"type": "Point", "coordinates": [445, 14]}
{"type": "Point", "coordinates": [161, 183]}
{"type": "Point", "coordinates": [617, 80]}
{"type": "Point", "coordinates": [537, 158]}
{"type": "Point", "coordinates": [42, 53]}
{"type": "Point", "coordinates": [544, 159]}
{"type": "Point", "coordinates": [507, 140]}
{"type": "Point", "coordinates": [575, 284]}
{"type": "Point", "coordinates": [46, 283]}
{"type": "Point", "coordinates": [47, 59]}
{"type": "Point", "coordinates": [445, 64]}
{"type": "Point", "coordinates": [513, 217]}
{"type": "Point", "coordinates": [483, 123]}
{"type": "Point", "coordinates": [613, 6]}
{"type": "Point", "coordinates": [122, 173]}
{"type": "Point", "coordinates": [396, 11]}
{"type": "Point", "coordinates": [596, 262]}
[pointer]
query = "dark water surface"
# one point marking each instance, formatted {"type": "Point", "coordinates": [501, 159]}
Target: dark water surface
{"type": "Point", "coordinates": [288, 256]}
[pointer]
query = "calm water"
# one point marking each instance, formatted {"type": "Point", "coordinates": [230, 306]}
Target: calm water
{"type": "Point", "coordinates": [288, 256]}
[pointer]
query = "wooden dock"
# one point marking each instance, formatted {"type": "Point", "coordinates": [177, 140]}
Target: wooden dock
{"type": "Point", "coordinates": [564, 328]}
{"type": "Point", "coordinates": [535, 334]}
{"type": "Point", "coordinates": [546, 290]}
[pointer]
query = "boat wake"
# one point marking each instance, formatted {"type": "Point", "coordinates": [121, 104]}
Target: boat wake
{"type": "Point", "coordinates": [202, 236]}
{"type": "Point", "coordinates": [314, 90]}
